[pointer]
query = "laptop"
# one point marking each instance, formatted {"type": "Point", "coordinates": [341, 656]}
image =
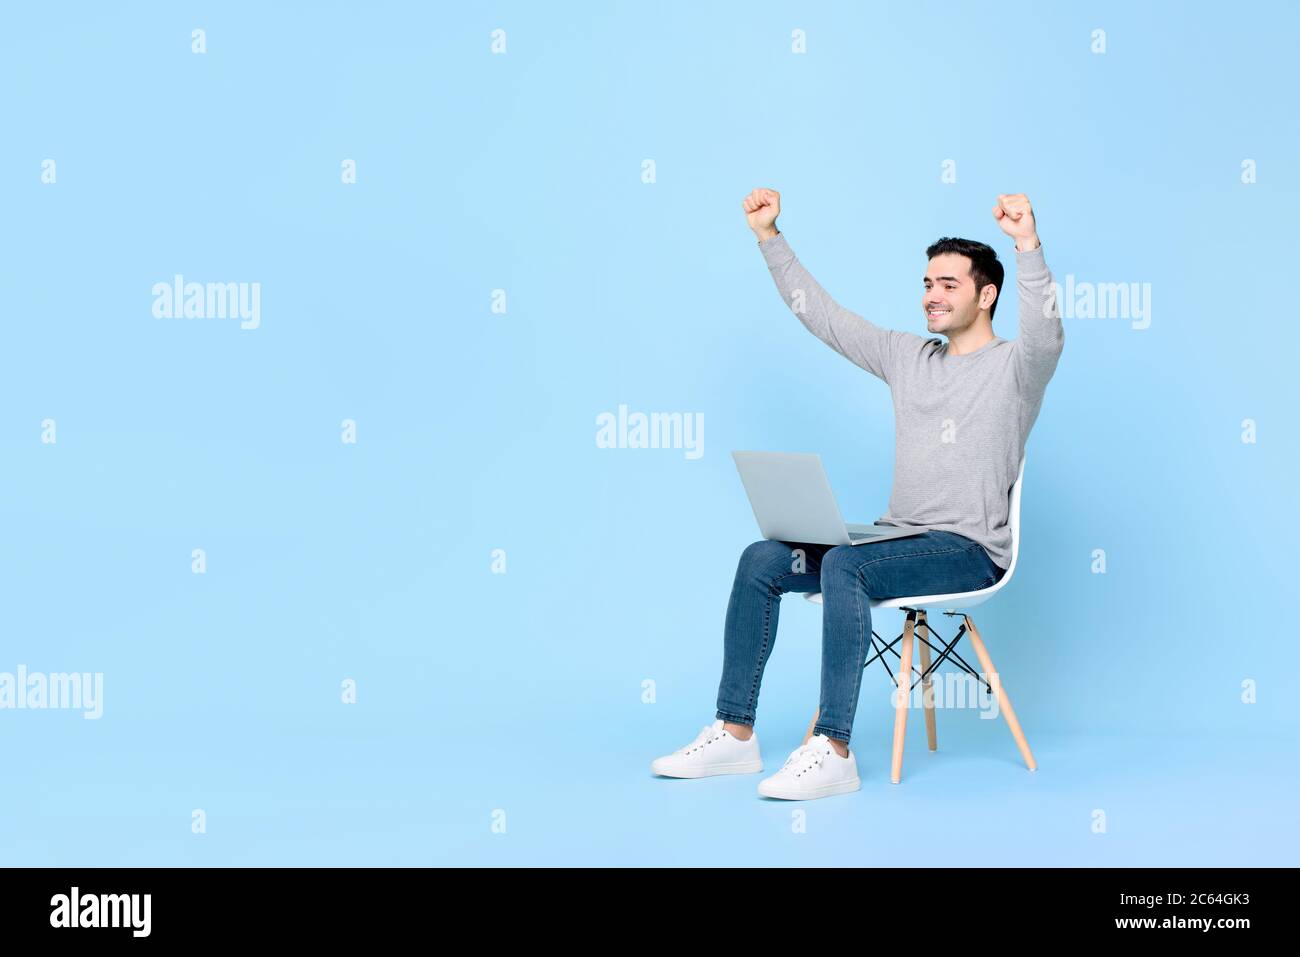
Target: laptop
{"type": "Point", "coordinates": [793, 502]}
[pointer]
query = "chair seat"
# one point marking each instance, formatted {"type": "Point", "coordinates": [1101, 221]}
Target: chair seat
{"type": "Point", "coordinates": [966, 599]}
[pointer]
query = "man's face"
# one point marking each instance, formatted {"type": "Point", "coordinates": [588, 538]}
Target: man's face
{"type": "Point", "coordinates": [950, 299]}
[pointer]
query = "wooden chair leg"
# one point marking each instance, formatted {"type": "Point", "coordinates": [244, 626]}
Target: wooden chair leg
{"type": "Point", "coordinates": [927, 689]}
{"type": "Point", "coordinates": [904, 682]}
{"type": "Point", "coordinates": [1004, 702]}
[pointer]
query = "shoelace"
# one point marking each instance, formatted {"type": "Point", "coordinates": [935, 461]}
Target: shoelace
{"type": "Point", "coordinates": [805, 758]}
{"type": "Point", "coordinates": [704, 737]}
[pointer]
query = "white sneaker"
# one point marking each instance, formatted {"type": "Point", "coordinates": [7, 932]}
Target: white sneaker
{"type": "Point", "coordinates": [714, 751]}
{"type": "Point", "coordinates": [814, 770]}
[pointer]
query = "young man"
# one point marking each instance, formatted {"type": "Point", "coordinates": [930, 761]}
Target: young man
{"type": "Point", "coordinates": [963, 410]}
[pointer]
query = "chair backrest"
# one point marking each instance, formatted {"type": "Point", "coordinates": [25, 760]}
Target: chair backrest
{"type": "Point", "coordinates": [969, 599]}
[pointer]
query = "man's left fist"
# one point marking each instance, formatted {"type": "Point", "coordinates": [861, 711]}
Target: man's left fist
{"type": "Point", "coordinates": [1016, 217]}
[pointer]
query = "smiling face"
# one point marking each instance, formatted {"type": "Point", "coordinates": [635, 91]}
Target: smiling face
{"type": "Point", "coordinates": [950, 300]}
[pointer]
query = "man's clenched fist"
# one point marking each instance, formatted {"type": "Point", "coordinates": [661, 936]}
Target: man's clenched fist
{"type": "Point", "coordinates": [762, 206]}
{"type": "Point", "coordinates": [1016, 217]}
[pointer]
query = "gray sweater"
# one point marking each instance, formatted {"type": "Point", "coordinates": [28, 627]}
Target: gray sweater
{"type": "Point", "coordinates": [960, 422]}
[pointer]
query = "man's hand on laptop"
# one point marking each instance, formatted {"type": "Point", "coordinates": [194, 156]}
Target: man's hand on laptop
{"type": "Point", "coordinates": [762, 206]}
{"type": "Point", "coordinates": [1016, 217]}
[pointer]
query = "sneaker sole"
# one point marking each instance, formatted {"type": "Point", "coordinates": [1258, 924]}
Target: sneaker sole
{"type": "Point", "coordinates": [745, 767]}
{"type": "Point", "coordinates": [765, 789]}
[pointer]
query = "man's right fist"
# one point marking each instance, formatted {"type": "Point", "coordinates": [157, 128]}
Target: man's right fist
{"type": "Point", "coordinates": [762, 206]}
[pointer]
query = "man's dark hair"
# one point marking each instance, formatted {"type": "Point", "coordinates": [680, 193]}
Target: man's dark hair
{"type": "Point", "coordinates": [984, 265]}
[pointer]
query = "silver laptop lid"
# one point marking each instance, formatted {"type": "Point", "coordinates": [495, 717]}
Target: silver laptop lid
{"type": "Point", "coordinates": [791, 497]}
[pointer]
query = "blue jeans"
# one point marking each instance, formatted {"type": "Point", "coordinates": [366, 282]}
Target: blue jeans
{"type": "Point", "coordinates": [848, 576]}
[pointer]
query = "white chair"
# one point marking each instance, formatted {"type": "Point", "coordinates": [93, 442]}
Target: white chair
{"type": "Point", "coordinates": [916, 610]}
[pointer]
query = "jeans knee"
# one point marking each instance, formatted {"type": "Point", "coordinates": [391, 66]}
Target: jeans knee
{"type": "Point", "coordinates": [765, 562]}
{"type": "Point", "coordinates": [840, 565]}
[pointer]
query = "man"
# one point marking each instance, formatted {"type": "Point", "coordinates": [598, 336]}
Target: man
{"type": "Point", "coordinates": [963, 410]}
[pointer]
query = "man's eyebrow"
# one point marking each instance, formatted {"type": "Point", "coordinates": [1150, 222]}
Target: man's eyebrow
{"type": "Point", "coordinates": [953, 278]}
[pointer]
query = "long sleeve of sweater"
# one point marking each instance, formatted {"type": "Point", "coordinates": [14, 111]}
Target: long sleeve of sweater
{"type": "Point", "coordinates": [1041, 340]}
{"type": "Point", "coordinates": [859, 340]}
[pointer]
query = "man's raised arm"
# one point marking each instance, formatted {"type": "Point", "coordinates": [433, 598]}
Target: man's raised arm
{"type": "Point", "coordinates": [848, 333]}
{"type": "Point", "coordinates": [1042, 337]}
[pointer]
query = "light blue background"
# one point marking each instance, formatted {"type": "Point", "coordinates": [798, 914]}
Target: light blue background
{"type": "Point", "coordinates": [523, 691]}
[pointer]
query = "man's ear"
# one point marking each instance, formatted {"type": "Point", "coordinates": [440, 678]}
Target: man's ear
{"type": "Point", "coordinates": [988, 295]}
